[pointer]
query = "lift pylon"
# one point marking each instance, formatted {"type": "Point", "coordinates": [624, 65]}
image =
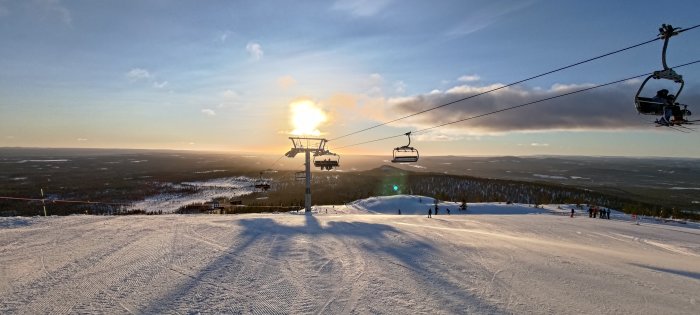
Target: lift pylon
{"type": "Point", "coordinates": [307, 146]}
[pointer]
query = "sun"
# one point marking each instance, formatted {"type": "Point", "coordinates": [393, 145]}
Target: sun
{"type": "Point", "coordinates": [306, 118]}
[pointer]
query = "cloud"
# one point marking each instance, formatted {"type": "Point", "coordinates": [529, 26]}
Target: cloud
{"type": "Point", "coordinates": [537, 144]}
{"type": "Point", "coordinates": [605, 108]}
{"type": "Point", "coordinates": [375, 83]}
{"type": "Point", "coordinates": [400, 87]}
{"type": "Point", "coordinates": [138, 74]}
{"type": "Point", "coordinates": [159, 85]}
{"type": "Point", "coordinates": [223, 36]}
{"type": "Point", "coordinates": [286, 81]}
{"type": "Point", "coordinates": [436, 136]}
{"type": "Point", "coordinates": [488, 13]}
{"type": "Point", "coordinates": [254, 50]}
{"type": "Point", "coordinates": [230, 94]}
{"type": "Point", "coordinates": [469, 78]}
{"type": "Point", "coordinates": [81, 139]}
{"type": "Point", "coordinates": [342, 100]}
{"type": "Point", "coordinates": [208, 112]}
{"type": "Point", "coordinates": [55, 8]}
{"type": "Point", "coordinates": [361, 8]}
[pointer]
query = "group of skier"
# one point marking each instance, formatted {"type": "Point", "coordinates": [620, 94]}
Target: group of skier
{"type": "Point", "coordinates": [594, 212]}
{"type": "Point", "coordinates": [430, 211]}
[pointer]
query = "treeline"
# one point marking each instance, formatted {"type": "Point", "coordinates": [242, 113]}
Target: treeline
{"type": "Point", "coordinates": [340, 188]}
{"type": "Point", "coordinates": [287, 194]}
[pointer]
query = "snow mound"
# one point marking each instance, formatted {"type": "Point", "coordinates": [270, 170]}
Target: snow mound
{"type": "Point", "coordinates": [413, 204]}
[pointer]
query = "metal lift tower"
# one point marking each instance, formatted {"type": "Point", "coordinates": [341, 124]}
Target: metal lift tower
{"type": "Point", "coordinates": [316, 146]}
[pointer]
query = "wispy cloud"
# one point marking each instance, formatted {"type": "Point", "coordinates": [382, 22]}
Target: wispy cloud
{"type": "Point", "coordinates": [208, 112]}
{"type": "Point", "coordinates": [143, 75]}
{"type": "Point", "coordinates": [159, 85]}
{"type": "Point", "coordinates": [223, 36]}
{"type": "Point", "coordinates": [81, 139]}
{"type": "Point", "coordinates": [400, 87]}
{"type": "Point", "coordinates": [480, 17]}
{"type": "Point", "coordinates": [469, 78]}
{"type": "Point", "coordinates": [55, 8]}
{"type": "Point", "coordinates": [537, 144]}
{"type": "Point", "coordinates": [361, 8]}
{"type": "Point", "coordinates": [229, 94]}
{"type": "Point", "coordinates": [286, 81]}
{"type": "Point", "coordinates": [254, 50]}
{"type": "Point", "coordinates": [138, 74]}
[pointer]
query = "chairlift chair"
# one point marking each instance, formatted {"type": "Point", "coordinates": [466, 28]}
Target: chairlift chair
{"type": "Point", "coordinates": [654, 105]}
{"type": "Point", "coordinates": [405, 154]}
{"type": "Point", "coordinates": [261, 184]}
{"type": "Point", "coordinates": [326, 160]}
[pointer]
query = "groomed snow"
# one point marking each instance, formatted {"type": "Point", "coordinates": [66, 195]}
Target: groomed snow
{"type": "Point", "coordinates": [349, 263]}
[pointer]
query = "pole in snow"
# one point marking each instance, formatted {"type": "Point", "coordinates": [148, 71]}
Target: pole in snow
{"type": "Point", "coordinates": [43, 204]}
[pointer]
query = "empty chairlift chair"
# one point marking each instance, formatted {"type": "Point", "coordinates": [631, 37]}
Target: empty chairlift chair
{"type": "Point", "coordinates": [405, 154]}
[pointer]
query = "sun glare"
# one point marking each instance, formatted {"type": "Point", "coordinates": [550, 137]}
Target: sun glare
{"type": "Point", "coordinates": [306, 118]}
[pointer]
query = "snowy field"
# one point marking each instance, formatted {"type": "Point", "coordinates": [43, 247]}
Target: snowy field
{"type": "Point", "coordinates": [497, 259]}
{"type": "Point", "coordinates": [203, 192]}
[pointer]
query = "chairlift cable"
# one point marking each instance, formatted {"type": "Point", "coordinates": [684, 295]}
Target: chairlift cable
{"type": "Point", "coordinates": [496, 89]}
{"type": "Point", "coordinates": [515, 107]}
{"type": "Point", "coordinates": [511, 84]}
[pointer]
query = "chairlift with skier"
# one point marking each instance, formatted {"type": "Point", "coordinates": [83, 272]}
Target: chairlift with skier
{"type": "Point", "coordinates": [261, 184]}
{"type": "Point", "coordinates": [326, 160]}
{"type": "Point", "coordinates": [664, 104]}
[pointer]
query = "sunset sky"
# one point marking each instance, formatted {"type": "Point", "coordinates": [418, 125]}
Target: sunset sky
{"type": "Point", "coordinates": [225, 75]}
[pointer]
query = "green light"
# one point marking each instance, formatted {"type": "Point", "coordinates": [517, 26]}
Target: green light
{"type": "Point", "coordinates": [396, 188]}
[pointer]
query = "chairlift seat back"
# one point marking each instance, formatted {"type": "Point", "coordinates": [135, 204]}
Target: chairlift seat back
{"type": "Point", "coordinates": [649, 106]}
{"type": "Point", "coordinates": [405, 159]}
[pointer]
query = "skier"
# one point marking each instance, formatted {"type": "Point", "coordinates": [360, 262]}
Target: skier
{"type": "Point", "coordinates": [399, 211]}
{"type": "Point", "coordinates": [436, 210]}
{"type": "Point", "coordinates": [608, 214]}
{"type": "Point", "coordinates": [430, 212]}
{"type": "Point", "coordinates": [572, 212]}
{"type": "Point", "coordinates": [448, 211]}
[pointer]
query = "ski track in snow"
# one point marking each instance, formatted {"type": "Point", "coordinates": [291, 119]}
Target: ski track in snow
{"type": "Point", "coordinates": [348, 264]}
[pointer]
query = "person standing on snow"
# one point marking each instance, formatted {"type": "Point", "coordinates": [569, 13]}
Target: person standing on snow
{"type": "Point", "coordinates": [572, 212]}
{"type": "Point", "coordinates": [399, 211]}
{"type": "Point", "coordinates": [430, 212]}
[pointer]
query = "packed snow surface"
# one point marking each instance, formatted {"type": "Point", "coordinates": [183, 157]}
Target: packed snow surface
{"type": "Point", "coordinates": [352, 260]}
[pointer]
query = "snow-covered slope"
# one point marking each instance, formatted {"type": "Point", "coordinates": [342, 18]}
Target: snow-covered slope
{"type": "Point", "coordinates": [348, 263]}
{"type": "Point", "coordinates": [411, 205]}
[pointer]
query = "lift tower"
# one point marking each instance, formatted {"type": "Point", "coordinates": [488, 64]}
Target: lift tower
{"type": "Point", "coordinates": [308, 146]}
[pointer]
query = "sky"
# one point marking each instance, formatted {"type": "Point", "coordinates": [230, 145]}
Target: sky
{"type": "Point", "coordinates": [230, 75]}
